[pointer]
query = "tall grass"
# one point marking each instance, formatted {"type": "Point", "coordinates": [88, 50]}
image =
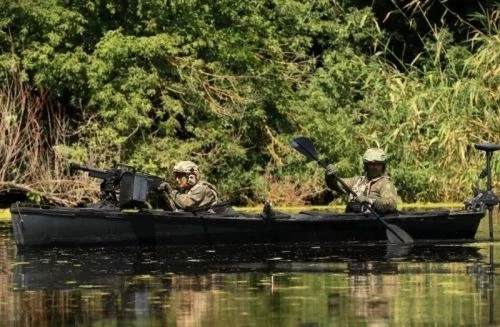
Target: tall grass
{"type": "Point", "coordinates": [448, 106]}
{"type": "Point", "coordinates": [428, 116]}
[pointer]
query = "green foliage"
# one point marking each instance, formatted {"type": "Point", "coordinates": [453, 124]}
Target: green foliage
{"type": "Point", "coordinates": [227, 84]}
{"type": "Point", "coordinates": [33, 198]}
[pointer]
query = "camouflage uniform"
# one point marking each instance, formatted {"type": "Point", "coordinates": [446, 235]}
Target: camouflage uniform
{"type": "Point", "coordinates": [199, 195]}
{"type": "Point", "coordinates": [380, 189]}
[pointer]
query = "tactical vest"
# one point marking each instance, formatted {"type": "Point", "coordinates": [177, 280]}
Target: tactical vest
{"type": "Point", "coordinates": [361, 187]}
{"type": "Point", "coordinates": [213, 189]}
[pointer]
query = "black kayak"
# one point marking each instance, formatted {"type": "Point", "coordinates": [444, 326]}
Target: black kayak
{"type": "Point", "coordinates": [51, 225]}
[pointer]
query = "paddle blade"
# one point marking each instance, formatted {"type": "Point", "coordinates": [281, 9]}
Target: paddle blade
{"type": "Point", "coordinates": [396, 235]}
{"type": "Point", "coordinates": [304, 146]}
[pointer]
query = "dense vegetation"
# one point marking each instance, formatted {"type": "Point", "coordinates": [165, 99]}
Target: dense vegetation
{"type": "Point", "coordinates": [228, 84]}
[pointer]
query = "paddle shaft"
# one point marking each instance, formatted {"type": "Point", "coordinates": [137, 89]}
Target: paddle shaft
{"type": "Point", "coordinates": [370, 208]}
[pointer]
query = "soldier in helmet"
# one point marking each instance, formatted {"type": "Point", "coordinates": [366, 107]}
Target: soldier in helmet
{"type": "Point", "coordinates": [373, 188]}
{"type": "Point", "coordinates": [191, 193]}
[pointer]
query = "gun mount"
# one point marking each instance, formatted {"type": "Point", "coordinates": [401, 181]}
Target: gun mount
{"type": "Point", "coordinates": [485, 198]}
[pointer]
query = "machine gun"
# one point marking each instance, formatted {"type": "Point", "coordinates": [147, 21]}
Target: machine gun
{"type": "Point", "coordinates": [110, 181]}
{"type": "Point", "coordinates": [122, 185]}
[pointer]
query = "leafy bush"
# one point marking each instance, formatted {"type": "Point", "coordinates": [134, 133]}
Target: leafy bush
{"type": "Point", "coordinates": [228, 85]}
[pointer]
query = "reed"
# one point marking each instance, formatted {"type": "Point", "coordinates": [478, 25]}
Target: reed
{"type": "Point", "coordinates": [427, 116]}
{"type": "Point", "coordinates": [31, 129]}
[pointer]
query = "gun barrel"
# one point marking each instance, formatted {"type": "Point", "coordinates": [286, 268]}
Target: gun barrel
{"type": "Point", "coordinates": [75, 166]}
{"type": "Point", "coordinates": [93, 172]}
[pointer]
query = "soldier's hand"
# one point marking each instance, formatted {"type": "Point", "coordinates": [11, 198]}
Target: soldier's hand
{"type": "Point", "coordinates": [330, 170]}
{"type": "Point", "coordinates": [363, 199]}
{"type": "Point", "coordinates": [165, 186]}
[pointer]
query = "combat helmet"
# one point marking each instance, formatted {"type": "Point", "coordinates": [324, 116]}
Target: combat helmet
{"type": "Point", "coordinates": [187, 167]}
{"type": "Point", "coordinates": [374, 155]}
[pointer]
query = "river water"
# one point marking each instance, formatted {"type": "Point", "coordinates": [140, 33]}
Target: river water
{"type": "Point", "coordinates": [350, 284]}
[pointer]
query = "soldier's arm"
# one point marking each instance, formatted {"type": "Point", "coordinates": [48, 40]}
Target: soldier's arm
{"type": "Point", "coordinates": [189, 200]}
{"type": "Point", "coordinates": [387, 202]}
{"type": "Point", "coordinates": [337, 187]}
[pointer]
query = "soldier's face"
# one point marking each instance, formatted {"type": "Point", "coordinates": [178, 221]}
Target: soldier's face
{"type": "Point", "coordinates": [374, 169]}
{"type": "Point", "coordinates": [182, 180]}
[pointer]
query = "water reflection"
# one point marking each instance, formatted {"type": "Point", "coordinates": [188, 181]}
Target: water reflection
{"type": "Point", "coordinates": [286, 285]}
{"type": "Point", "coordinates": [105, 266]}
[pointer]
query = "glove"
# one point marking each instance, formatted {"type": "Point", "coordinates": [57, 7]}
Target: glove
{"type": "Point", "coordinates": [363, 199]}
{"type": "Point", "coordinates": [330, 170]}
{"type": "Point", "coordinates": [165, 186]}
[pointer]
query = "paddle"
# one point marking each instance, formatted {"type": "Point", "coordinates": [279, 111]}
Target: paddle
{"type": "Point", "coordinates": [394, 233]}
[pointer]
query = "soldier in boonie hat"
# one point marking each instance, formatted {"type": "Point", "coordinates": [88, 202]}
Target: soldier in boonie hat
{"type": "Point", "coordinates": [374, 188]}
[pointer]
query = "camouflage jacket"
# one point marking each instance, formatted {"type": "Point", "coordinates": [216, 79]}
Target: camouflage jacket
{"type": "Point", "coordinates": [201, 195]}
{"type": "Point", "coordinates": [380, 189]}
